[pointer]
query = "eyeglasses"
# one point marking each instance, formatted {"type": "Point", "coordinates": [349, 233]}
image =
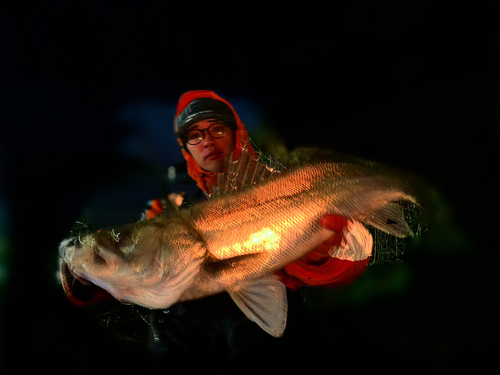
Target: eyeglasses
{"type": "Point", "coordinates": [196, 136]}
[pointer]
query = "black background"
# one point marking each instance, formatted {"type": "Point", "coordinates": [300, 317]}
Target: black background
{"type": "Point", "coordinates": [414, 84]}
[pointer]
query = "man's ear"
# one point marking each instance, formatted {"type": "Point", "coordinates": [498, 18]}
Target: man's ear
{"type": "Point", "coordinates": [180, 142]}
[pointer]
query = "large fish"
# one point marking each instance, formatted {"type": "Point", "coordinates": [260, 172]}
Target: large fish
{"type": "Point", "coordinates": [234, 242]}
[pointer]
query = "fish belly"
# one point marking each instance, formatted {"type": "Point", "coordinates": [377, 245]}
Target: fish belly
{"type": "Point", "coordinates": [254, 240]}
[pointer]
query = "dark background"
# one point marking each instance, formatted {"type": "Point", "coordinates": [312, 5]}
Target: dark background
{"type": "Point", "coordinates": [88, 95]}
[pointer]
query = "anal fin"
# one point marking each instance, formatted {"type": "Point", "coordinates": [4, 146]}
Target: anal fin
{"type": "Point", "coordinates": [264, 302]}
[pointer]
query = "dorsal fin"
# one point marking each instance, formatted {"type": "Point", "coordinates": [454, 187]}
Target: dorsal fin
{"type": "Point", "coordinates": [245, 172]}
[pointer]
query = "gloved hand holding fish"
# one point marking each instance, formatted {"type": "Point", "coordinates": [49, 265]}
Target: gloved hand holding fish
{"type": "Point", "coordinates": [237, 239]}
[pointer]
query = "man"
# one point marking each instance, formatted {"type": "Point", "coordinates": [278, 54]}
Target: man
{"type": "Point", "coordinates": [209, 132]}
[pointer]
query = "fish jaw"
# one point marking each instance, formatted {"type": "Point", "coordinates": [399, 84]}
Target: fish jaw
{"type": "Point", "coordinates": [162, 295]}
{"type": "Point", "coordinates": [151, 268]}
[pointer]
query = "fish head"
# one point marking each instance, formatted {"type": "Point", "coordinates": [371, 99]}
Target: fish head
{"type": "Point", "coordinates": [140, 263]}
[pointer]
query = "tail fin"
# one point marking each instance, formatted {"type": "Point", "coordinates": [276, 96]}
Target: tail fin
{"type": "Point", "coordinates": [390, 219]}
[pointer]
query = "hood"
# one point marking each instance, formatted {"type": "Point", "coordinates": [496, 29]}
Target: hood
{"type": "Point", "coordinates": [205, 179]}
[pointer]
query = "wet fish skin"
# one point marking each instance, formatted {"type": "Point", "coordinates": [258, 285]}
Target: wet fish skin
{"type": "Point", "coordinates": [278, 222]}
{"type": "Point", "coordinates": [235, 240]}
{"type": "Point", "coordinates": [135, 263]}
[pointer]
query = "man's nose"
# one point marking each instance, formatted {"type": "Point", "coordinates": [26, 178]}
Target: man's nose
{"type": "Point", "coordinates": [207, 140]}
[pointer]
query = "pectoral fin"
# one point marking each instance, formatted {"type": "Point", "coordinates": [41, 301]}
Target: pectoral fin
{"type": "Point", "coordinates": [264, 302]}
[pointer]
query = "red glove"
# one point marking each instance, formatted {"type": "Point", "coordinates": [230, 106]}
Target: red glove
{"type": "Point", "coordinates": [155, 209]}
{"type": "Point", "coordinates": [318, 267]}
{"type": "Point", "coordinates": [79, 292]}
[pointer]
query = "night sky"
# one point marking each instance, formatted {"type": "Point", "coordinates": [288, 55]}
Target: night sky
{"type": "Point", "coordinates": [88, 96]}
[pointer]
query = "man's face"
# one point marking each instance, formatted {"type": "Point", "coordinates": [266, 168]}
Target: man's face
{"type": "Point", "coordinates": [212, 154]}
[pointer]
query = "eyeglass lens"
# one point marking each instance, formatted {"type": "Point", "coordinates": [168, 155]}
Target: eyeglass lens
{"type": "Point", "coordinates": [216, 131]}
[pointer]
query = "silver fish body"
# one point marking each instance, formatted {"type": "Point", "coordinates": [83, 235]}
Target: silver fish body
{"type": "Point", "coordinates": [235, 241]}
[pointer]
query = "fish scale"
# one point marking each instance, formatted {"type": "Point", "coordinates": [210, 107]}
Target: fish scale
{"type": "Point", "coordinates": [234, 241]}
{"type": "Point", "coordinates": [289, 214]}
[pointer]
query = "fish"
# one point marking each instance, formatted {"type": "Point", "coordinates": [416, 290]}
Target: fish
{"type": "Point", "coordinates": [257, 221]}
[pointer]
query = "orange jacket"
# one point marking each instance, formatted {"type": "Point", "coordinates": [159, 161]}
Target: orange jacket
{"type": "Point", "coordinates": [315, 268]}
{"type": "Point", "coordinates": [204, 179]}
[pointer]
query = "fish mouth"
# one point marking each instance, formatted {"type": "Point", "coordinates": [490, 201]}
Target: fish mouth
{"type": "Point", "coordinates": [79, 290]}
